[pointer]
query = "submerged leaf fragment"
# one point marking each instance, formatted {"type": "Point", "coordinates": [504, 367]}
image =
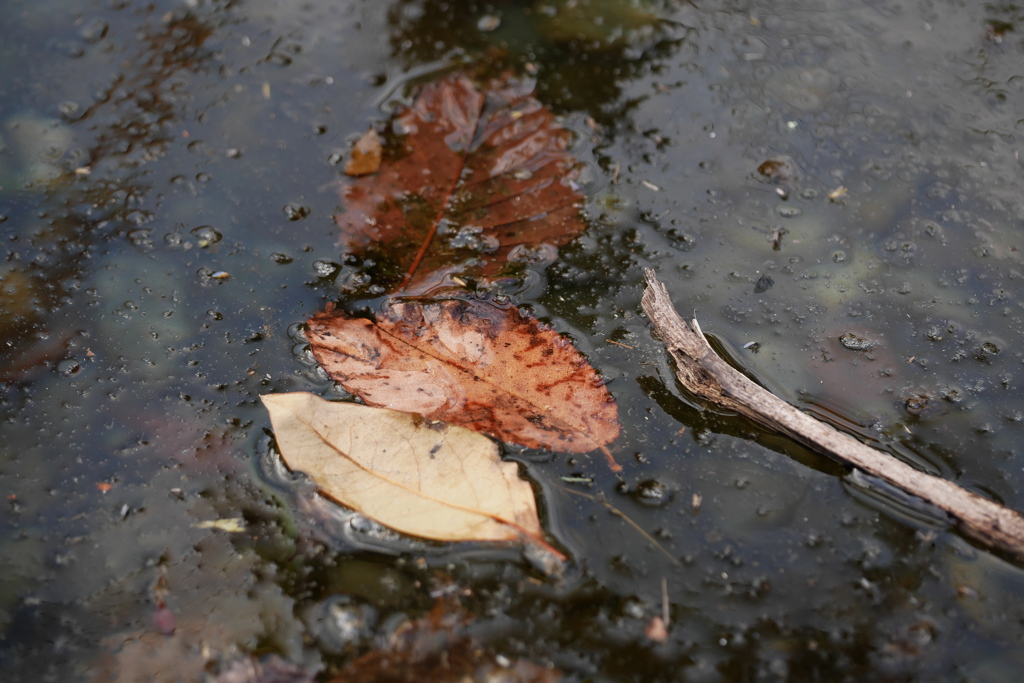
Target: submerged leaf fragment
{"type": "Point", "coordinates": [471, 175]}
{"type": "Point", "coordinates": [424, 479]}
{"type": "Point", "coordinates": [474, 364]}
{"type": "Point", "coordinates": [439, 648]}
{"type": "Point", "coordinates": [366, 155]}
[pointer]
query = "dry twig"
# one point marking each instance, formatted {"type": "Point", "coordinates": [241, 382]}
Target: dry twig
{"type": "Point", "coordinates": [706, 375]}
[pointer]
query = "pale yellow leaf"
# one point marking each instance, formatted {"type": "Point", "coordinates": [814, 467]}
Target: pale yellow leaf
{"type": "Point", "coordinates": [234, 525]}
{"type": "Point", "coordinates": [425, 479]}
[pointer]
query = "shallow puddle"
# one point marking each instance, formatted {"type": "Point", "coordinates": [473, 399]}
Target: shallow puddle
{"type": "Point", "coordinates": [832, 188]}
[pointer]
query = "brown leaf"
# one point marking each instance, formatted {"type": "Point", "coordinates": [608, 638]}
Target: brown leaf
{"type": "Point", "coordinates": [474, 364]}
{"type": "Point", "coordinates": [436, 648]}
{"type": "Point", "coordinates": [430, 480]}
{"type": "Point", "coordinates": [366, 155]}
{"type": "Point", "coordinates": [475, 180]}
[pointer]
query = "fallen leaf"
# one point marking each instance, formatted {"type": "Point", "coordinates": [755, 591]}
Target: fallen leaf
{"type": "Point", "coordinates": [475, 182]}
{"type": "Point", "coordinates": [437, 648]}
{"type": "Point", "coordinates": [425, 479]}
{"type": "Point", "coordinates": [471, 363]}
{"type": "Point", "coordinates": [103, 486]}
{"type": "Point", "coordinates": [366, 155]}
{"type": "Point", "coordinates": [234, 525]}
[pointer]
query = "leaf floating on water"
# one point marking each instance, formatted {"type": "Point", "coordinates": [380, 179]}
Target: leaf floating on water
{"type": "Point", "coordinates": [366, 155]}
{"type": "Point", "coordinates": [474, 364]}
{"type": "Point", "coordinates": [424, 479]}
{"type": "Point", "coordinates": [475, 182]}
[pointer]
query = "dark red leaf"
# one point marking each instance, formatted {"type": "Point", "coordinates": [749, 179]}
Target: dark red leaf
{"type": "Point", "coordinates": [470, 182]}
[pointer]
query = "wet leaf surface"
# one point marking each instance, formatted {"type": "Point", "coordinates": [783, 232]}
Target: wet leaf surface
{"type": "Point", "coordinates": [472, 182]}
{"type": "Point", "coordinates": [438, 648]}
{"type": "Point", "coordinates": [424, 479]}
{"type": "Point", "coordinates": [474, 364]}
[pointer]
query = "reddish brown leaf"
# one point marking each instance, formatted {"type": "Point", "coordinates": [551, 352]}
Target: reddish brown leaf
{"type": "Point", "coordinates": [473, 183]}
{"type": "Point", "coordinates": [474, 364]}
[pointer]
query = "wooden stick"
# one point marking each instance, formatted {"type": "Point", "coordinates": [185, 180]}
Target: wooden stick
{"type": "Point", "coordinates": [706, 375]}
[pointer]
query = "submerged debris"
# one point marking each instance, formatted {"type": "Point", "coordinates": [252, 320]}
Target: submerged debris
{"type": "Point", "coordinates": [366, 155]}
{"type": "Point", "coordinates": [855, 342]}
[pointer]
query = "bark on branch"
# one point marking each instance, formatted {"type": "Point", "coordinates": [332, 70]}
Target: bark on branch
{"type": "Point", "coordinates": [707, 376]}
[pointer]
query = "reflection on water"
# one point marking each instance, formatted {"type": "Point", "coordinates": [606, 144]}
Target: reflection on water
{"type": "Point", "coordinates": [167, 187]}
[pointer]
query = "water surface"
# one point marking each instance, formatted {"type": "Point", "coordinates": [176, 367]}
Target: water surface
{"type": "Point", "coordinates": [838, 182]}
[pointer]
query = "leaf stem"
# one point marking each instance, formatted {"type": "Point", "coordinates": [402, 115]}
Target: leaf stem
{"type": "Point", "coordinates": [612, 465]}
